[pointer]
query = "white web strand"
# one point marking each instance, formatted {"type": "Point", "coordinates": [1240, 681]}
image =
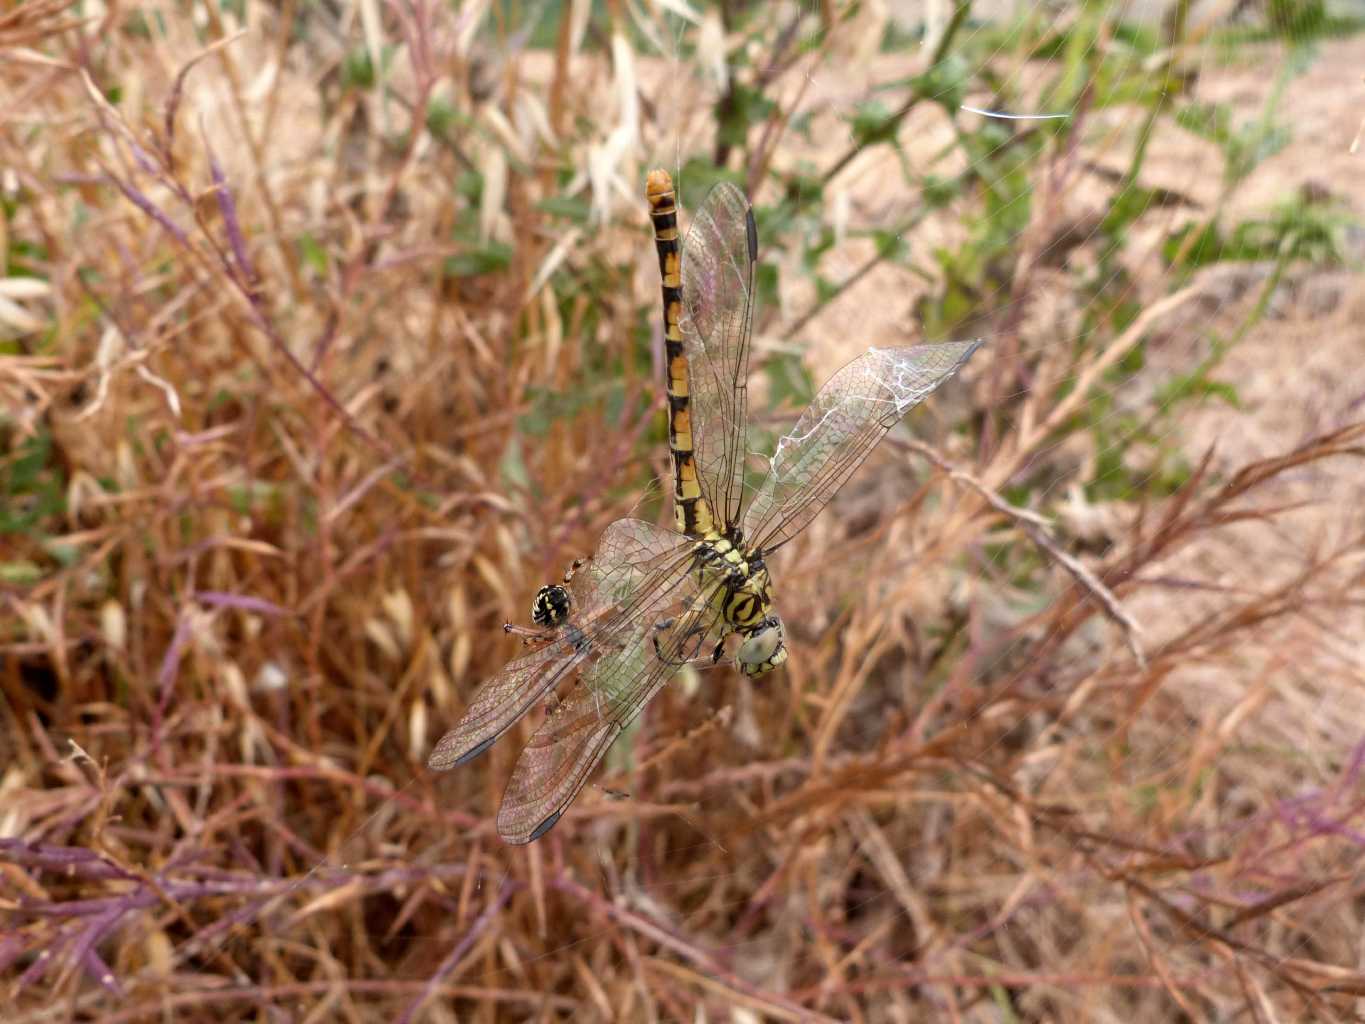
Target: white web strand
{"type": "Point", "coordinates": [891, 394]}
{"type": "Point", "coordinates": [1001, 115]}
{"type": "Point", "coordinates": [844, 422]}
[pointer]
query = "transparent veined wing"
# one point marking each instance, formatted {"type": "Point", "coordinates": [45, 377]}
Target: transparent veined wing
{"type": "Point", "coordinates": [637, 569]}
{"type": "Point", "coordinates": [576, 734]}
{"type": "Point", "coordinates": [717, 281]}
{"type": "Point", "coordinates": [503, 699]}
{"type": "Point", "coordinates": [843, 423]}
{"type": "Point", "coordinates": [627, 552]}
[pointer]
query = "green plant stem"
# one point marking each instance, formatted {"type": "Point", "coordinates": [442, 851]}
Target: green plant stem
{"type": "Point", "coordinates": [1175, 21]}
{"type": "Point", "coordinates": [960, 12]}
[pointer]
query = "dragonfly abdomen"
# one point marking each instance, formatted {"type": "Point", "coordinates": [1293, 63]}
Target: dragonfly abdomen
{"type": "Point", "coordinates": [692, 513]}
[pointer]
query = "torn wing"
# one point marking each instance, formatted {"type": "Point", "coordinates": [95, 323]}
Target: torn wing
{"type": "Point", "coordinates": [637, 570]}
{"type": "Point", "coordinates": [717, 283]}
{"type": "Point", "coordinates": [576, 734]}
{"type": "Point", "coordinates": [843, 423]}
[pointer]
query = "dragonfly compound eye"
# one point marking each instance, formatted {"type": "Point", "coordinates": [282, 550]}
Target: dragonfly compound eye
{"type": "Point", "coordinates": [764, 648]}
{"type": "Point", "coordinates": [551, 606]}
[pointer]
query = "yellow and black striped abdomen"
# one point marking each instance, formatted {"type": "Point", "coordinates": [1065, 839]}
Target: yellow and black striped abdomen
{"type": "Point", "coordinates": [692, 513]}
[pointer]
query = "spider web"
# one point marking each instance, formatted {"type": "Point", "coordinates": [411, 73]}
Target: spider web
{"type": "Point", "coordinates": [1132, 397]}
{"type": "Point", "coordinates": [1030, 334]}
{"type": "Point", "coordinates": [938, 874]}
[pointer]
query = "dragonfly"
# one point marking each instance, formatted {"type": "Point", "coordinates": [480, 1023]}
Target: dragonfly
{"type": "Point", "coordinates": [650, 600]}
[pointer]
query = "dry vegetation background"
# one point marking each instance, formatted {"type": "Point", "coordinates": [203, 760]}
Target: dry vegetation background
{"type": "Point", "coordinates": [329, 332]}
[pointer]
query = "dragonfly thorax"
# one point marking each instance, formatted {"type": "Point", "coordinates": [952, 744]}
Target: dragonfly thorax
{"type": "Point", "coordinates": [743, 596]}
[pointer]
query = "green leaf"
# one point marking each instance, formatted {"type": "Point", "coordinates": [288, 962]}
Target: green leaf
{"type": "Point", "coordinates": [789, 382]}
{"type": "Point", "coordinates": [945, 83]}
{"type": "Point", "coordinates": [803, 189]}
{"type": "Point", "coordinates": [442, 118]}
{"type": "Point", "coordinates": [614, 401]}
{"type": "Point", "coordinates": [512, 466]}
{"type": "Point", "coordinates": [696, 179]}
{"type": "Point", "coordinates": [1126, 205]}
{"type": "Point", "coordinates": [483, 259]}
{"type": "Point", "coordinates": [65, 555]}
{"type": "Point", "coordinates": [21, 573]}
{"type": "Point", "coordinates": [1211, 121]}
{"type": "Point", "coordinates": [313, 254]}
{"type": "Point", "coordinates": [765, 286]}
{"type": "Point", "coordinates": [1142, 39]}
{"type": "Point", "coordinates": [469, 185]}
{"type": "Point", "coordinates": [1297, 20]}
{"type": "Point", "coordinates": [741, 109]}
{"type": "Point", "coordinates": [872, 124]}
{"type": "Point", "coordinates": [1193, 246]}
{"type": "Point", "coordinates": [817, 248]}
{"type": "Point", "coordinates": [544, 409]}
{"type": "Point", "coordinates": [1198, 385]}
{"type": "Point", "coordinates": [890, 245]}
{"type": "Point", "coordinates": [32, 486]}
{"type": "Point", "coordinates": [357, 69]}
{"type": "Point", "coordinates": [938, 192]}
{"type": "Point", "coordinates": [571, 208]}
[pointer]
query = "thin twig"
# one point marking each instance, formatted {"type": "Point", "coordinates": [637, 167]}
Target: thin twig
{"type": "Point", "coordinates": [1036, 527]}
{"type": "Point", "coordinates": [457, 954]}
{"type": "Point", "coordinates": [945, 43]}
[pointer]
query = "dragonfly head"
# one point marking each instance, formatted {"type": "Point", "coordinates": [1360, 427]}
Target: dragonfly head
{"type": "Point", "coordinates": [551, 606]}
{"type": "Point", "coordinates": [764, 647]}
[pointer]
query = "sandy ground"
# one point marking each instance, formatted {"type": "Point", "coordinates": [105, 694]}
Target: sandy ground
{"type": "Point", "coordinates": [1298, 373]}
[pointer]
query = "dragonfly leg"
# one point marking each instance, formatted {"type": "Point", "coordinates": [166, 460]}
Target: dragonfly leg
{"type": "Point", "coordinates": [530, 637]}
{"type": "Point", "coordinates": [659, 627]}
{"type": "Point", "coordinates": [697, 632]}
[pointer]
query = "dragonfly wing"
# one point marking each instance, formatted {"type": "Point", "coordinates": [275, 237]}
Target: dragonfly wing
{"type": "Point", "coordinates": [502, 700]}
{"type": "Point", "coordinates": [717, 279]}
{"type": "Point", "coordinates": [576, 734]}
{"type": "Point", "coordinates": [637, 568]}
{"type": "Point", "coordinates": [843, 423]}
{"type": "Point", "coordinates": [629, 551]}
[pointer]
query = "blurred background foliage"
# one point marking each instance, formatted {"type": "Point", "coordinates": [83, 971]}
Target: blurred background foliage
{"type": "Point", "coordinates": [328, 331]}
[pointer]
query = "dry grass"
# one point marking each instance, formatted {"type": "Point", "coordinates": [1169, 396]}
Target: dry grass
{"type": "Point", "coordinates": [277, 469]}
